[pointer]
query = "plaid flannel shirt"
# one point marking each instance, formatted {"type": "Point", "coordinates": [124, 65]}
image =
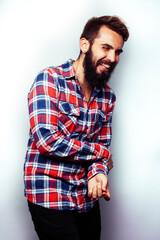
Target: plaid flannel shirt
{"type": "Point", "coordinates": [69, 139]}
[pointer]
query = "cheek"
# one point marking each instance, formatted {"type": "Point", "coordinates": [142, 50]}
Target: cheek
{"type": "Point", "coordinates": [98, 59]}
{"type": "Point", "coordinates": [98, 55]}
{"type": "Point", "coordinates": [101, 55]}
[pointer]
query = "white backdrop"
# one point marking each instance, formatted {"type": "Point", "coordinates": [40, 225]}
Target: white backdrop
{"type": "Point", "coordinates": [35, 34]}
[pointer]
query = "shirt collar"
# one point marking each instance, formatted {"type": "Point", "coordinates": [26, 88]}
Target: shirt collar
{"type": "Point", "coordinates": [68, 70]}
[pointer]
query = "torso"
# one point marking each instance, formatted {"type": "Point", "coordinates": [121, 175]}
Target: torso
{"type": "Point", "coordinates": [86, 88]}
{"type": "Point", "coordinates": [87, 91]}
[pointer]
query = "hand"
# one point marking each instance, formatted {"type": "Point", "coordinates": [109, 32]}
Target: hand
{"type": "Point", "coordinates": [110, 163]}
{"type": "Point", "coordinates": [98, 186]}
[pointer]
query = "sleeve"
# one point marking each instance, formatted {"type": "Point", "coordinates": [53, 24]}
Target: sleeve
{"type": "Point", "coordinates": [104, 137]}
{"type": "Point", "coordinates": [43, 115]}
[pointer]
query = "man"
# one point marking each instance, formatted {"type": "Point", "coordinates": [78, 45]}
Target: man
{"type": "Point", "coordinates": [67, 159]}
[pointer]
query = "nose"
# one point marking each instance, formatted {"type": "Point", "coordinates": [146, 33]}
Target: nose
{"type": "Point", "coordinates": [111, 56]}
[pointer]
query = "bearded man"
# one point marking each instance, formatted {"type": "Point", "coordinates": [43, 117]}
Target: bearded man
{"type": "Point", "coordinates": [68, 158]}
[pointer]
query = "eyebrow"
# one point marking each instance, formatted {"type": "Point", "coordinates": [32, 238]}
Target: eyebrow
{"type": "Point", "coordinates": [111, 47]}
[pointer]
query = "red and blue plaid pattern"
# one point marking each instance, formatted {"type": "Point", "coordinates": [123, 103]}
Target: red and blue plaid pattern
{"type": "Point", "coordinates": [69, 139]}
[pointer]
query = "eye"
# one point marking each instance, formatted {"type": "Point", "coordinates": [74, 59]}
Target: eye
{"type": "Point", "coordinates": [106, 48]}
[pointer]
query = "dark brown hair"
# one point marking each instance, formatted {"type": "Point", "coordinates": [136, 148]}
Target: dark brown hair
{"type": "Point", "coordinates": [92, 27]}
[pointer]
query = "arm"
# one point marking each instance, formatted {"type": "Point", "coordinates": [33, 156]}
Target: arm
{"type": "Point", "coordinates": [104, 137]}
{"type": "Point", "coordinates": [49, 140]}
{"type": "Point", "coordinates": [98, 185]}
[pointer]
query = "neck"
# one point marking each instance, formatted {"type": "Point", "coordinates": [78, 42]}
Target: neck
{"type": "Point", "coordinates": [79, 69]}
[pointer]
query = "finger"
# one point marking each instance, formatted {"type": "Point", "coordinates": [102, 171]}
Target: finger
{"type": "Point", "coordinates": [90, 189]}
{"type": "Point", "coordinates": [107, 194]}
{"type": "Point", "coordinates": [104, 184]}
{"type": "Point", "coordinates": [99, 189]}
{"type": "Point", "coordinates": [95, 192]}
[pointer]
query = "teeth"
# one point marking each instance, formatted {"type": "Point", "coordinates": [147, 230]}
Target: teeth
{"type": "Point", "coordinates": [106, 66]}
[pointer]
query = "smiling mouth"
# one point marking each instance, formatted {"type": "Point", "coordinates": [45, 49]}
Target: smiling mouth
{"type": "Point", "coordinates": [107, 66]}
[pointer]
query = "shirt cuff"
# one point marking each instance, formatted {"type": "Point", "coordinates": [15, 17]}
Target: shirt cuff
{"type": "Point", "coordinates": [98, 167]}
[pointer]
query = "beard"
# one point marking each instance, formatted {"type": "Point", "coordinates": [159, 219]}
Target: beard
{"type": "Point", "coordinates": [95, 79]}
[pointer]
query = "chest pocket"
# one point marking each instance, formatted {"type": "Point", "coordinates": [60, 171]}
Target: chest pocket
{"type": "Point", "coordinates": [100, 120]}
{"type": "Point", "coordinates": [68, 116]}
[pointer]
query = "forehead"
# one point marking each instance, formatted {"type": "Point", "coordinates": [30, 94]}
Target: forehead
{"type": "Point", "coordinates": [108, 36]}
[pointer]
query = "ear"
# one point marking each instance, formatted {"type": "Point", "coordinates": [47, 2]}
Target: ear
{"type": "Point", "coordinates": [84, 45]}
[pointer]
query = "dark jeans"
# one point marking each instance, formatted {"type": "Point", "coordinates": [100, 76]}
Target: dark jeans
{"type": "Point", "coordinates": [65, 225]}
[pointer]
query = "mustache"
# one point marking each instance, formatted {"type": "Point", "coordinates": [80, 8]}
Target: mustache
{"type": "Point", "coordinates": [100, 61]}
